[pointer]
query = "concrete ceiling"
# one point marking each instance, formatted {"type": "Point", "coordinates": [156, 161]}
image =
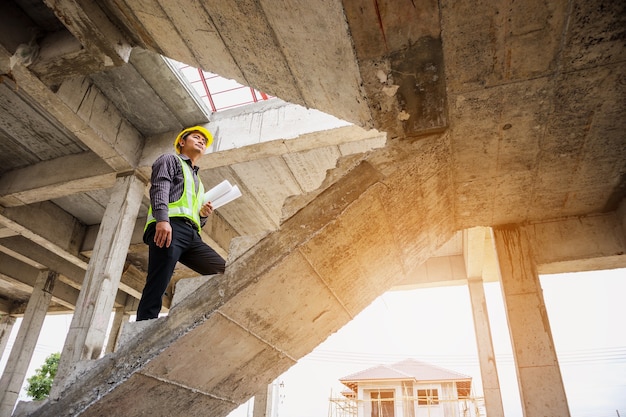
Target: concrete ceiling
{"type": "Point", "coordinates": [490, 113]}
{"type": "Point", "coordinates": [526, 102]}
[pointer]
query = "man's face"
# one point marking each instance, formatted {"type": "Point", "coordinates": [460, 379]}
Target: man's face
{"type": "Point", "coordinates": [193, 143]}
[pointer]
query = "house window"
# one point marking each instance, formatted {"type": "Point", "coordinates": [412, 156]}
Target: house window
{"type": "Point", "coordinates": [382, 404]}
{"type": "Point", "coordinates": [428, 396]}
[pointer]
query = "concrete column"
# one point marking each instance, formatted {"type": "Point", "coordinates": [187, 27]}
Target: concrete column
{"type": "Point", "coordinates": [22, 351]}
{"type": "Point", "coordinates": [486, 355]}
{"type": "Point", "coordinates": [261, 405]}
{"type": "Point", "coordinates": [6, 326]}
{"type": "Point", "coordinates": [266, 401]}
{"type": "Point", "coordinates": [87, 333]}
{"type": "Point", "coordinates": [120, 317]}
{"type": "Point", "coordinates": [474, 254]}
{"type": "Point", "coordinates": [540, 383]}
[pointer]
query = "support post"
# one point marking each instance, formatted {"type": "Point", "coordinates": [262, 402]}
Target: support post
{"type": "Point", "coordinates": [6, 326]}
{"type": "Point", "coordinates": [474, 253]}
{"type": "Point", "coordinates": [486, 354]}
{"type": "Point", "coordinates": [27, 336]}
{"type": "Point", "coordinates": [538, 373]}
{"type": "Point", "coordinates": [87, 333]}
{"type": "Point", "coordinates": [260, 402]}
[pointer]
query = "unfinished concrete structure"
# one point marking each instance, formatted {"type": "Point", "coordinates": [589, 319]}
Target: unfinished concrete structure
{"type": "Point", "coordinates": [498, 114]}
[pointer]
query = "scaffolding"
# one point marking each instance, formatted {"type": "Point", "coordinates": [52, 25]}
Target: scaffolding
{"type": "Point", "coordinates": [344, 406]}
{"type": "Point", "coordinates": [348, 406]}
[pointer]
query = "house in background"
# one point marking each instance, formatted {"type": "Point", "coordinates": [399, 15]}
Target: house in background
{"type": "Point", "coordinates": [409, 388]}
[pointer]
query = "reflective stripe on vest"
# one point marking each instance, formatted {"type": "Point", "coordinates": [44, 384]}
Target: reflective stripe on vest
{"type": "Point", "coordinates": [189, 203]}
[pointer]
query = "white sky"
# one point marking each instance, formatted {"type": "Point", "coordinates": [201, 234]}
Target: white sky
{"type": "Point", "coordinates": [435, 325]}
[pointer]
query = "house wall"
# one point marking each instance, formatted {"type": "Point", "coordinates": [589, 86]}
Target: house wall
{"type": "Point", "coordinates": [447, 407]}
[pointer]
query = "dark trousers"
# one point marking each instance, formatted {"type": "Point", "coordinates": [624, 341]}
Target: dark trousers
{"type": "Point", "coordinates": [187, 248]}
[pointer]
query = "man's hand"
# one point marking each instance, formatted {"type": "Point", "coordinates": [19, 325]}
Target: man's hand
{"type": "Point", "coordinates": [163, 234]}
{"type": "Point", "coordinates": [206, 209]}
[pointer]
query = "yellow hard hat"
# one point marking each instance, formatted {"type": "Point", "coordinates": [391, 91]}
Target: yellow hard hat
{"type": "Point", "coordinates": [202, 130]}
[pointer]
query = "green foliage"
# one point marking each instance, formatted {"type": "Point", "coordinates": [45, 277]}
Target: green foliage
{"type": "Point", "coordinates": [40, 383]}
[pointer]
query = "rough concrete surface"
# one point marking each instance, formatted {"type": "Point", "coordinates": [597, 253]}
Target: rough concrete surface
{"type": "Point", "coordinates": [486, 114]}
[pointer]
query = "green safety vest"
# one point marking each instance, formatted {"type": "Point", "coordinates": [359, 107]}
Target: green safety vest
{"type": "Point", "coordinates": [189, 203]}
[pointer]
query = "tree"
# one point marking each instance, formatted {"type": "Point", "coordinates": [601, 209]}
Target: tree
{"type": "Point", "coordinates": [40, 383]}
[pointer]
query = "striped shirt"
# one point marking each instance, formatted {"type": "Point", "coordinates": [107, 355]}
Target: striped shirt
{"type": "Point", "coordinates": [167, 184]}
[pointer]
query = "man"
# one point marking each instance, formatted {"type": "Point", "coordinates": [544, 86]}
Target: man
{"type": "Point", "coordinates": [175, 218]}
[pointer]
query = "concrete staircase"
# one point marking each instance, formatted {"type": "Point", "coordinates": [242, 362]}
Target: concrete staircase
{"type": "Point", "coordinates": [234, 333]}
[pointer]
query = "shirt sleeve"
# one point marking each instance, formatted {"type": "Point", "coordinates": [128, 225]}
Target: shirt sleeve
{"type": "Point", "coordinates": [162, 178]}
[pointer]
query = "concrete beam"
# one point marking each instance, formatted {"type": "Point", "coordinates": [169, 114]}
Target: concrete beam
{"type": "Point", "coordinates": [18, 256]}
{"type": "Point", "coordinates": [52, 179]}
{"type": "Point", "coordinates": [584, 243]}
{"type": "Point", "coordinates": [50, 227]}
{"type": "Point", "coordinates": [65, 297]}
{"type": "Point", "coordinates": [162, 76]}
{"type": "Point", "coordinates": [6, 232]}
{"type": "Point", "coordinates": [82, 110]}
{"type": "Point", "coordinates": [325, 69]}
{"type": "Point", "coordinates": [579, 244]}
{"type": "Point", "coordinates": [568, 245]}
{"type": "Point", "coordinates": [129, 91]}
{"type": "Point", "coordinates": [206, 50]}
{"type": "Point", "coordinates": [134, 15]}
{"type": "Point", "coordinates": [120, 318]}
{"type": "Point", "coordinates": [62, 56]}
{"type": "Point", "coordinates": [23, 277]}
{"type": "Point", "coordinates": [117, 142]}
{"type": "Point", "coordinates": [70, 273]}
{"type": "Point", "coordinates": [41, 258]}
{"type": "Point", "coordinates": [95, 31]}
